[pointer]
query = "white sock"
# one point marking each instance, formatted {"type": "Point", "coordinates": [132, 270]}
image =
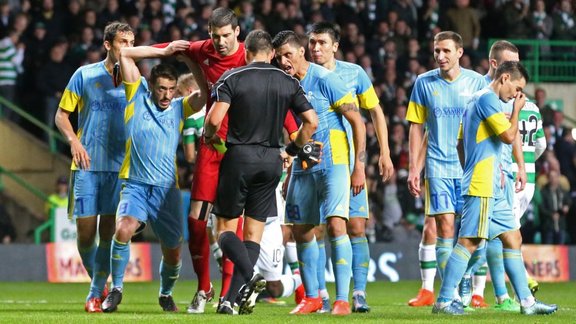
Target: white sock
{"type": "Point", "coordinates": [501, 299]}
{"type": "Point", "coordinates": [290, 253]}
{"type": "Point", "coordinates": [289, 284]}
{"type": "Point", "coordinates": [426, 254]}
{"type": "Point", "coordinates": [527, 302]}
{"type": "Point", "coordinates": [478, 284]}
{"type": "Point", "coordinates": [216, 251]}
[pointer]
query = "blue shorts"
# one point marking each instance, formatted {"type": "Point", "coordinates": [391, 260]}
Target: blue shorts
{"type": "Point", "coordinates": [487, 218]}
{"type": "Point", "coordinates": [359, 204]}
{"type": "Point", "coordinates": [313, 197]}
{"type": "Point", "coordinates": [509, 188]}
{"type": "Point", "coordinates": [443, 196]}
{"type": "Point", "coordinates": [476, 213]}
{"type": "Point", "coordinates": [93, 193]}
{"type": "Point", "coordinates": [503, 219]}
{"type": "Point", "coordinates": [159, 205]}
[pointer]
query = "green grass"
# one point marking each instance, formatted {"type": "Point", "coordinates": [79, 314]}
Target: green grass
{"type": "Point", "coordinates": [31, 302]}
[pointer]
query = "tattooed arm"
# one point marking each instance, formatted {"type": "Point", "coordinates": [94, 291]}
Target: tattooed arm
{"type": "Point", "coordinates": [351, 113]}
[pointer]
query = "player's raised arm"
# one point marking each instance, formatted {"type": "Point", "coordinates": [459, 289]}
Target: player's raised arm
{"type": "Point", "coordinates": [129, 56]}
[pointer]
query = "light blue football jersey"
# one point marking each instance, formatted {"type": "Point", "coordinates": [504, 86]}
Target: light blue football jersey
{"type": "Point", "coordinates": [100, 110]}
{"type": "Point", "coordinates": [506, 157]}
{"type": "Point", "coordinates": [325, 91]}
{"type": "Point", "coordinates": [439, 104]}
{"type": "Point", "coordinates": [362, 90]}
{"type": "Point", "coordinates": [482, 122]}
{"type": "Point", "coordinates": [153, 136]}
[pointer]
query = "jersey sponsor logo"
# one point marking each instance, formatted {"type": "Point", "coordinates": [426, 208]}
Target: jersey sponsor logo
{"type": "Point", "coordinates": [107, 106]}
{"type": "Point", "coordinates": [165, 121]}
{"type": "Point", "coordinates": [448, 112]}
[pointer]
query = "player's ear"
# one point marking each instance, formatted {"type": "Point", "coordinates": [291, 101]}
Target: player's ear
{"type": "Point", "coordinates": [237, 31]}
{"type": "Point", "coordinates": [107, 45]}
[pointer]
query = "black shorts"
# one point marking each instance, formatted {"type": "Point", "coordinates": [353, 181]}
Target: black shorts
{"type": "Point", "coordinates": [247, 184]}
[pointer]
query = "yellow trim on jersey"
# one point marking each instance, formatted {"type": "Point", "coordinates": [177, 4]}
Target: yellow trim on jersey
{"type": "Point", "coordinates": [188, 110]}
{"type": "Point", "coordinates": [131, 89]}
{"type": "Point", "coordinates": [125, 168]}
{"type": "Point", "coordinates": [416, 113]}
{"type": "Point", "coordinates": [344, 100]}
{"type": "Point", "coordinates": [481, 182]}
{"type": "Point", "coordinates": [129, 112]}
{"type": "Point", "coordinates": [493, 125]}
{"type": "Point", "coordinates": [460, 132]}
{"type": "Point", "coordinates": [498, 122]}
{"type": "Point", "coordinates": [69, 101]}
{"type": "Point", "coordinates": [339, 146]}
{"type": "Point", "coordinates": [79, 133]}
{"type": "Point", "coordinates": [369, 99]}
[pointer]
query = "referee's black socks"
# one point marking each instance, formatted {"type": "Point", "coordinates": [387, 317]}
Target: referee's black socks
{"type": "Point", "coordinates": [244, 256]}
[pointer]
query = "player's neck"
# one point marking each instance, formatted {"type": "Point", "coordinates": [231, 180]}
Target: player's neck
{"type": "Point", "coordinates": [109, 64]}
{"type": "Point", "coordinates": [330, 64]}
{"type": "Point", "coordinates": [301, 73]}
{"type": "Point", "coordinates": [451, 74]}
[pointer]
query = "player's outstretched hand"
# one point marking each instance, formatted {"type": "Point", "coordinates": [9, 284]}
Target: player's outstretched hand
{"type": "Point", "coordinates": [177, 46]}
{"type": "Point", "coordinates": [310, 154]}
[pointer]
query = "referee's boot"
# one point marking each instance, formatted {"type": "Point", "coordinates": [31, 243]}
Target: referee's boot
{"type": "Point", "coordinates": [114, 298]}
{"type": "Point", "coordinates": [250, 293]}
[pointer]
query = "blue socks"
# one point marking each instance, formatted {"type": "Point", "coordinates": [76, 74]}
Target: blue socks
{"type": "Point", "coordinates": [342, 264]}
{"type": "Point", "coordinates": [455, 268]}
{"type": "Point", "coordinates": [168, 276]}
{"type": "Point", "coordinates": [101, 269]}
{"type": "Point", "coordinates": [321, 267]}
{"type": "Point", "coordinates": [444, 247]}
{"type": "Point", "coordinates": [360, 262]}
{"type": "Point", "coordinates": [118, 262]}
{"type": "Point", "coordinates": [496, 266]}
{"type": "Point", "coordinates": [308, 259]}
{"type": "Point", "coordinates": [517, 273]}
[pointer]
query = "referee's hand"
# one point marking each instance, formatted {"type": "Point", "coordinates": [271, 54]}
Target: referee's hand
{"type": "Point", "coordinates": [286, 159]}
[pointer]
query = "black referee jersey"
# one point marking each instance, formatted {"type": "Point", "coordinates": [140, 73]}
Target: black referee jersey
{"type": "Point", "coordinates": [259, 95]}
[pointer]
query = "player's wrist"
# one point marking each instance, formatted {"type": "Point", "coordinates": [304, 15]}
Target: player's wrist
{"type": "Point", "coordinates": [292, 149]}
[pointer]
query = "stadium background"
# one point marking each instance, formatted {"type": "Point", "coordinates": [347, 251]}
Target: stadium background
{"type": "Point", "coordinates": [390, 39]}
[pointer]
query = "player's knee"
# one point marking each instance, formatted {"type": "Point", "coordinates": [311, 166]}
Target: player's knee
{"type": "Point", "coordinates": [356, 227]}
{"type": "Point", "coordinates": [274, 288]}
{"type": "Point", "coordinates": [171, 256]}
{"type": "Point", "coordinates": [125, 228]}
{"type": "Point", "coordinates": [336, 227]}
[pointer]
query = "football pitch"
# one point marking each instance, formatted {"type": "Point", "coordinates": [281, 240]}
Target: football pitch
{"type": "Point", "coordinates": [33, 302]}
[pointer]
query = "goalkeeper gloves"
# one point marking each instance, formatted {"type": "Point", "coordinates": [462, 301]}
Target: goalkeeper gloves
{"type": "Point", "coordinates": [310, 154]}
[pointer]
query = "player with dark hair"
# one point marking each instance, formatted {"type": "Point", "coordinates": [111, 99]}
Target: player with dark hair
{"type": "Point", "coordinates": [323, 42]}
{"type": "Point", "coordinates": [256, 99]}
{"type": "Point", "coordinates": [150, 192]}
{"type": "Point", "coordinates": [97, 149]}
{"type": "Point", "coordinates": [215, 56]}
{"type": "Point", "coordinates": [320, 193]}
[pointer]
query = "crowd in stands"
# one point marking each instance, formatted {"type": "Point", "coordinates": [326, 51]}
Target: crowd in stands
{"type": "Point", "coordinates": [42, 42]}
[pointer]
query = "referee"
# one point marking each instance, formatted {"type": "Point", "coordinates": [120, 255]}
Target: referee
{"type": "Point", "coordinates": [256, 98]}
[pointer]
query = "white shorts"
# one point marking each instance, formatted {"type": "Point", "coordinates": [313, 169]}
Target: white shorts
{"type": "Point", "coordinates": [522, 200]}
{"type": "Point", "coordinates": [270, 263]}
